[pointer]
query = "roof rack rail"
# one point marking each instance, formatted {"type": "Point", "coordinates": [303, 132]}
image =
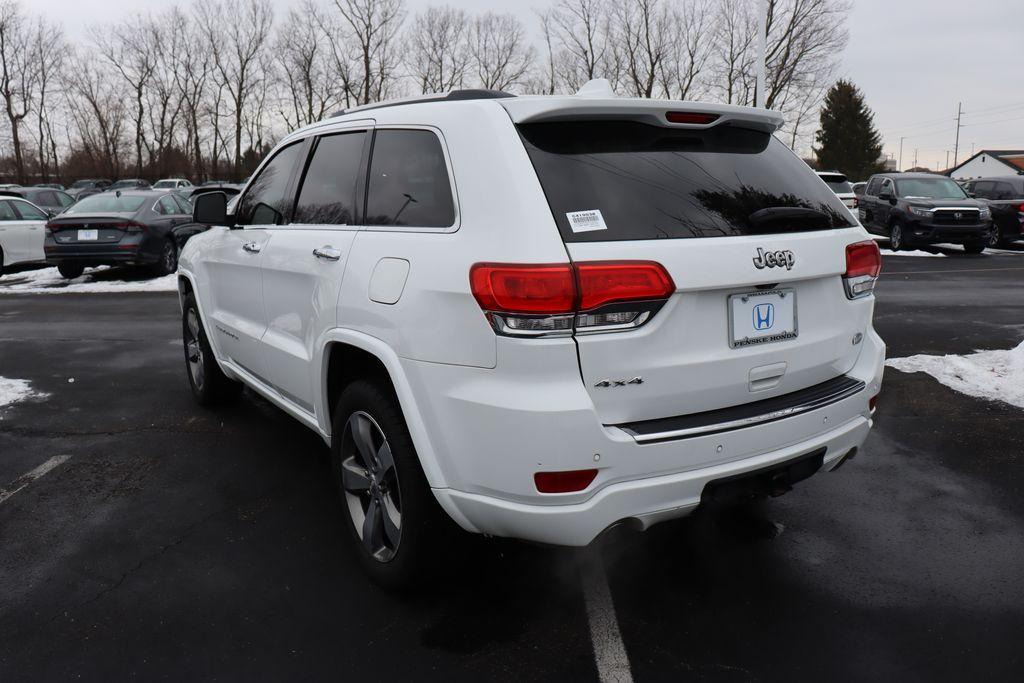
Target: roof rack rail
{"type": "Point", "coordinates": [450, 96]}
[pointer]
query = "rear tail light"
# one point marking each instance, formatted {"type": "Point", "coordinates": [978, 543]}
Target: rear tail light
{"type": "Point", "coordinates": [564, 482]}
{"type": "Point", "coordinates": [856, 202]}
{"type": "Point", "coordinates": [863, 264]}
{"type": "Point", "coordinates": [558, 299]}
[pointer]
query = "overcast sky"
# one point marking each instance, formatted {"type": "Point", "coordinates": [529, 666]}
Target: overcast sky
{"type": "Point", "coordinates": [914, 60]}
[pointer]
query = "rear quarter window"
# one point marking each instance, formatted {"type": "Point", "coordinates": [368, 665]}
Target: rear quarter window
{"type": "Point", "coordinates": [408, 181]}
{"type": "Point", "coordinates": [622, 180]}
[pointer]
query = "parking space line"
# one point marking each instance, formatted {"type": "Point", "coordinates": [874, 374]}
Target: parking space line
{"type": "Point", "coordinates": [609, 650]}
{"type": "Point", "coordinates": [29, 477]}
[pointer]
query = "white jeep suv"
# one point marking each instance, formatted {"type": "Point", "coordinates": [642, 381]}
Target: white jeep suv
{"type": "Point", "coordinates": [542, 316]}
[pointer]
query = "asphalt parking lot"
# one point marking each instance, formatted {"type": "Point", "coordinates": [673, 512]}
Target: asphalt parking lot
{"type": "Point", "coordinates": [168, 541]}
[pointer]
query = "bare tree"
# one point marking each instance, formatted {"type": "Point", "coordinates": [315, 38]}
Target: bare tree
{"type": "Point", "coordinates": [48, 54]}
{"type": "Point", "coordinates": [690, 52]}
{"type": "Point", "coordinates": [501, 56]}
{"type": "Point", "coordinates": [301, 62]}
{"type": "Point", "coordinates": [363, 39]}
{"type": "Point", "coordinates": [192, 67]}
{"type": "Point", "coordinates": [98, 114]}
{"type": "Point", "coordinates": [19, 73]}
{"type": "Point", "coordinates": [643, 32]}
{"type": "Point", "coordinates": [238, 32]}
{"type": "Point", "coordinates": [438, 56]}
{"type": "Point", "coordinates": [734, 39]}
{"type": "Point", "coordinates": [581, 29]}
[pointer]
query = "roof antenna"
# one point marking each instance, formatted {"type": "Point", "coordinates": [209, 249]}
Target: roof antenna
{"type": "Point", "coordinates": [596, 88]}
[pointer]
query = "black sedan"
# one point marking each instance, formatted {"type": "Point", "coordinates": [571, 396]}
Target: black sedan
{"type": "Point", "coordinates": [117, 228]}
{"type": "Point", "coordinates": [49, 200]}
{"type": "Point", "coordinates": [81, 189]}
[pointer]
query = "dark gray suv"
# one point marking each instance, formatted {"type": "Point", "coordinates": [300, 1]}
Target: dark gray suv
{"type": "Point", "coordinates": [921, 208]}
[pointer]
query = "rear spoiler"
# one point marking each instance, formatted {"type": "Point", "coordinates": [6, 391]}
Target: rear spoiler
{"type": "Point", "coordinates": [535, 109]}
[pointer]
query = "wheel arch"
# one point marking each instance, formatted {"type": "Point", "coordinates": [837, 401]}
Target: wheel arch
{"type": "Point", "coordinates": [347, 355]}
{"type": "Point", "coordinates": [186, 286]}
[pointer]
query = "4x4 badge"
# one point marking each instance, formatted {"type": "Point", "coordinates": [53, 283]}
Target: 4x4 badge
{"type": "Point", "coordinates": [605, 383]}
{"type": "Point", "coordinates": [774, 259]}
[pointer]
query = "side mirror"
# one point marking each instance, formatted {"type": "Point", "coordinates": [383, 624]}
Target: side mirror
{"type": "Point", "coordinates": [885, 196]}
{"type": "Point", "coordinates": [972, 195]}
{"type": "Point", "coordinates": [210, 208]}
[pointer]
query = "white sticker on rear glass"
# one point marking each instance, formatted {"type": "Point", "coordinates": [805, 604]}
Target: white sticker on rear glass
{"type": "Point", "coordinates": [586, 221]}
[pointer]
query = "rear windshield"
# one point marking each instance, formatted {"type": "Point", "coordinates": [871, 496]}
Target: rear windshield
{"type": "Point", "coordinates": [838, 184]}
{"type": "Point", "coordinates": [619, 180]}
{"type": "Point", "coordinates": [108, 203]}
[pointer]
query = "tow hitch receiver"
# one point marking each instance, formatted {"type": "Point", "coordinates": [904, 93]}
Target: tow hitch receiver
{"type": "Point", "coordinates": [770, 481]}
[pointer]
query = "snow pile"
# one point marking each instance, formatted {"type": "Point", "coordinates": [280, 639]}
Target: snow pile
{"type": "Point", "coordinates": [94, 280]}
{"type": "Point", "coordinates": [916, 252]}
{"type": "Point", "coordinates": [997, 375]}
{"type": "Point", "coordinates": [15, 390]}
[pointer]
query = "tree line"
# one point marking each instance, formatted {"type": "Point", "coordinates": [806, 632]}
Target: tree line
{"type": "Point", "coordinates": [203, 89]}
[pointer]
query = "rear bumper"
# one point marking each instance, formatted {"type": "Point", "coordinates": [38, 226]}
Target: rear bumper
{"type": "Point", "coordinates": [502, 431]}
{"type": "Point", "coordinates": [141, 252]}
{"type": "Point", "coordinates": [643, 501]}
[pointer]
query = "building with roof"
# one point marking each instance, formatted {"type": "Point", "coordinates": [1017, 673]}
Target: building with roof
{"type": "Point", "coordinates": [989, 163]}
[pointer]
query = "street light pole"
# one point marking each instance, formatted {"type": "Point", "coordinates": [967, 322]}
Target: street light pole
{"type": "Point", "coordinates": [762, 28]}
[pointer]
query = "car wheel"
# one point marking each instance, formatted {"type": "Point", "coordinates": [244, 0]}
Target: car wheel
{"type": "Point", "coordinates": [71, 270]}
{"type": "Point", "coordinates": [394, 521]}
{"type": "Point", "coordinates": [976, 246]}
{"type": "Point", "coordinates": [168, 258]}
{"type": "Point", "coordinates": [897, 240]}
{"type": "Point", "coordinates": [210, 386]}
{"type": "Point", "coordinates": [992, 237]}
{"type": "Point", "coordinates": [1, 261]}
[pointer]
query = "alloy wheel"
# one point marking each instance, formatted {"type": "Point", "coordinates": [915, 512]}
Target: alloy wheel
{"type": "Point", "coordinates": [194, 350]}
{"type": "Point", "coordinates": [370, 481]}
{"type": "Point", "coordinates": [992, 237]}
{"type": "Point", "coordinates": [896, 237]}
{"type": "Point", "coordinates": [170, 258]}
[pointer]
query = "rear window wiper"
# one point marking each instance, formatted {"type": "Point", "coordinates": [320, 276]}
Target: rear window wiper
{"type": "Point", "coordinates": [788, 219]}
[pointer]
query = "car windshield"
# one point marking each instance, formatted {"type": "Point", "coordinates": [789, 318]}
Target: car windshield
{"type": "Point", "coordinates": [838, 184]}
{"type": "Point", "coordinates": [81, 183]}
{"type": "Point", "coordinates": [108, 203]}
{"type": "Point", "coordinates": [929, 188]}
{"type": "Point", "coordinates": [164, 183]}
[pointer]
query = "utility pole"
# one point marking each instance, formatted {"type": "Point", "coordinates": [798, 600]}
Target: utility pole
{"type": "Point", "coordinates": [956, 145]}
{"type": "Point", "coordinates": [947, 158]}
{"type": "Point", "coordinates": [972, 149]}
{"type": "Point", "coordinates": [901, 153]}
{"type": "Point", "coordinates": [915, 157]}
{"type": "Point", "coordinates": [762, 28]}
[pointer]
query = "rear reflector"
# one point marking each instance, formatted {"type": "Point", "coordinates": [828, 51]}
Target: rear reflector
{"type": "Point", "coordinates": [564, 482]}
{"type": "Point", "coordinates": [872, 403]}
{"type": "Point", "coordinates": [863, 264]}
{"type": "Point", "coordinates": [690, 117]}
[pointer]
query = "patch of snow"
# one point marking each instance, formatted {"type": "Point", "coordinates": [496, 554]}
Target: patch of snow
{"type": "Point", "coordinates": [95, 280]}
{"type": "Point", "coordinates": [916, 252]}
{"type": "Point", "coordinates": [15, 390]}
{"type": "Point", "coordinates": [996, 375]}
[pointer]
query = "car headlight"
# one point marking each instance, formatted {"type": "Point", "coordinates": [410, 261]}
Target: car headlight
{"type": "Point", "coordinates": [917, 211]}
{"type": "Point", "coordinates": [984, 213]}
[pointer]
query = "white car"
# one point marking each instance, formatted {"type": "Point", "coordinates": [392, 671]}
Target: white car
{"type": "Point", "coordinates": [839, 184]}
{"type": "Point", "coordinates": [22, 232]}
{"type": "Point", "coordinates": [539, 316]}
{"type": "Point", "coordinates": [172, 184]}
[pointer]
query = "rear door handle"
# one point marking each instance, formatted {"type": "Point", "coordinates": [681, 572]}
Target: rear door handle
{"type": "Point", "coordinates": [252, 247]}
{"type": "Point", "coordinates": [327, 253]}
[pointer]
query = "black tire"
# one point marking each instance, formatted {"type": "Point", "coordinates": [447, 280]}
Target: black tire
{"type": "Point", "coordinates": [71, 270]}
{"type": "Point", "coordinates": [423, 529]}
{"type": "Point", "coordinates": [897, 236]}
{"type": "Point", "coordinates": [1, 261]}
{"type": "Point", "coordinates": [168, 262]}
{"type": "Point", "coordinates": [976, 246]}
{"type": "Point", "coordinates": [210, 386]}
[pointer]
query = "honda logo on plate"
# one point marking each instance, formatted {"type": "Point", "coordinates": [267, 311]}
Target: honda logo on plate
{"type": "Point", "coordinates": [764, 316]}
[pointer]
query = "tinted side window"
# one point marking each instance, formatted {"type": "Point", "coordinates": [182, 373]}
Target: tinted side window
{"type": "Point", "coordinates": [28, 212]}
{"type": "Point", "coordinates": [47, 199]}
{"type": "Point", "coordinates": [168, 206]}
{"type": "Point", "coordinates": [984, 189]}
{"type": "Point", "coordinates": [184, 206]}
{"type": "Point", "coordinates": [409, 181]}
{"type": "Point", "coordinates": [7, 212]}
{"type": "Point", "coordinates": [266, 201]}
{"type": "Point", "coordinates": [873, 186]}
{"type": "Point", "coordinates": [65, 199]}
{"type": "Point", "coordinates": [328, 194]}
{"type": "Point", "coordinates": [1002, 191]}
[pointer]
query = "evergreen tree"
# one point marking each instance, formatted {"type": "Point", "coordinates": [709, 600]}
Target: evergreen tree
{"type": "Point", "coordinates": [847, 139]}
